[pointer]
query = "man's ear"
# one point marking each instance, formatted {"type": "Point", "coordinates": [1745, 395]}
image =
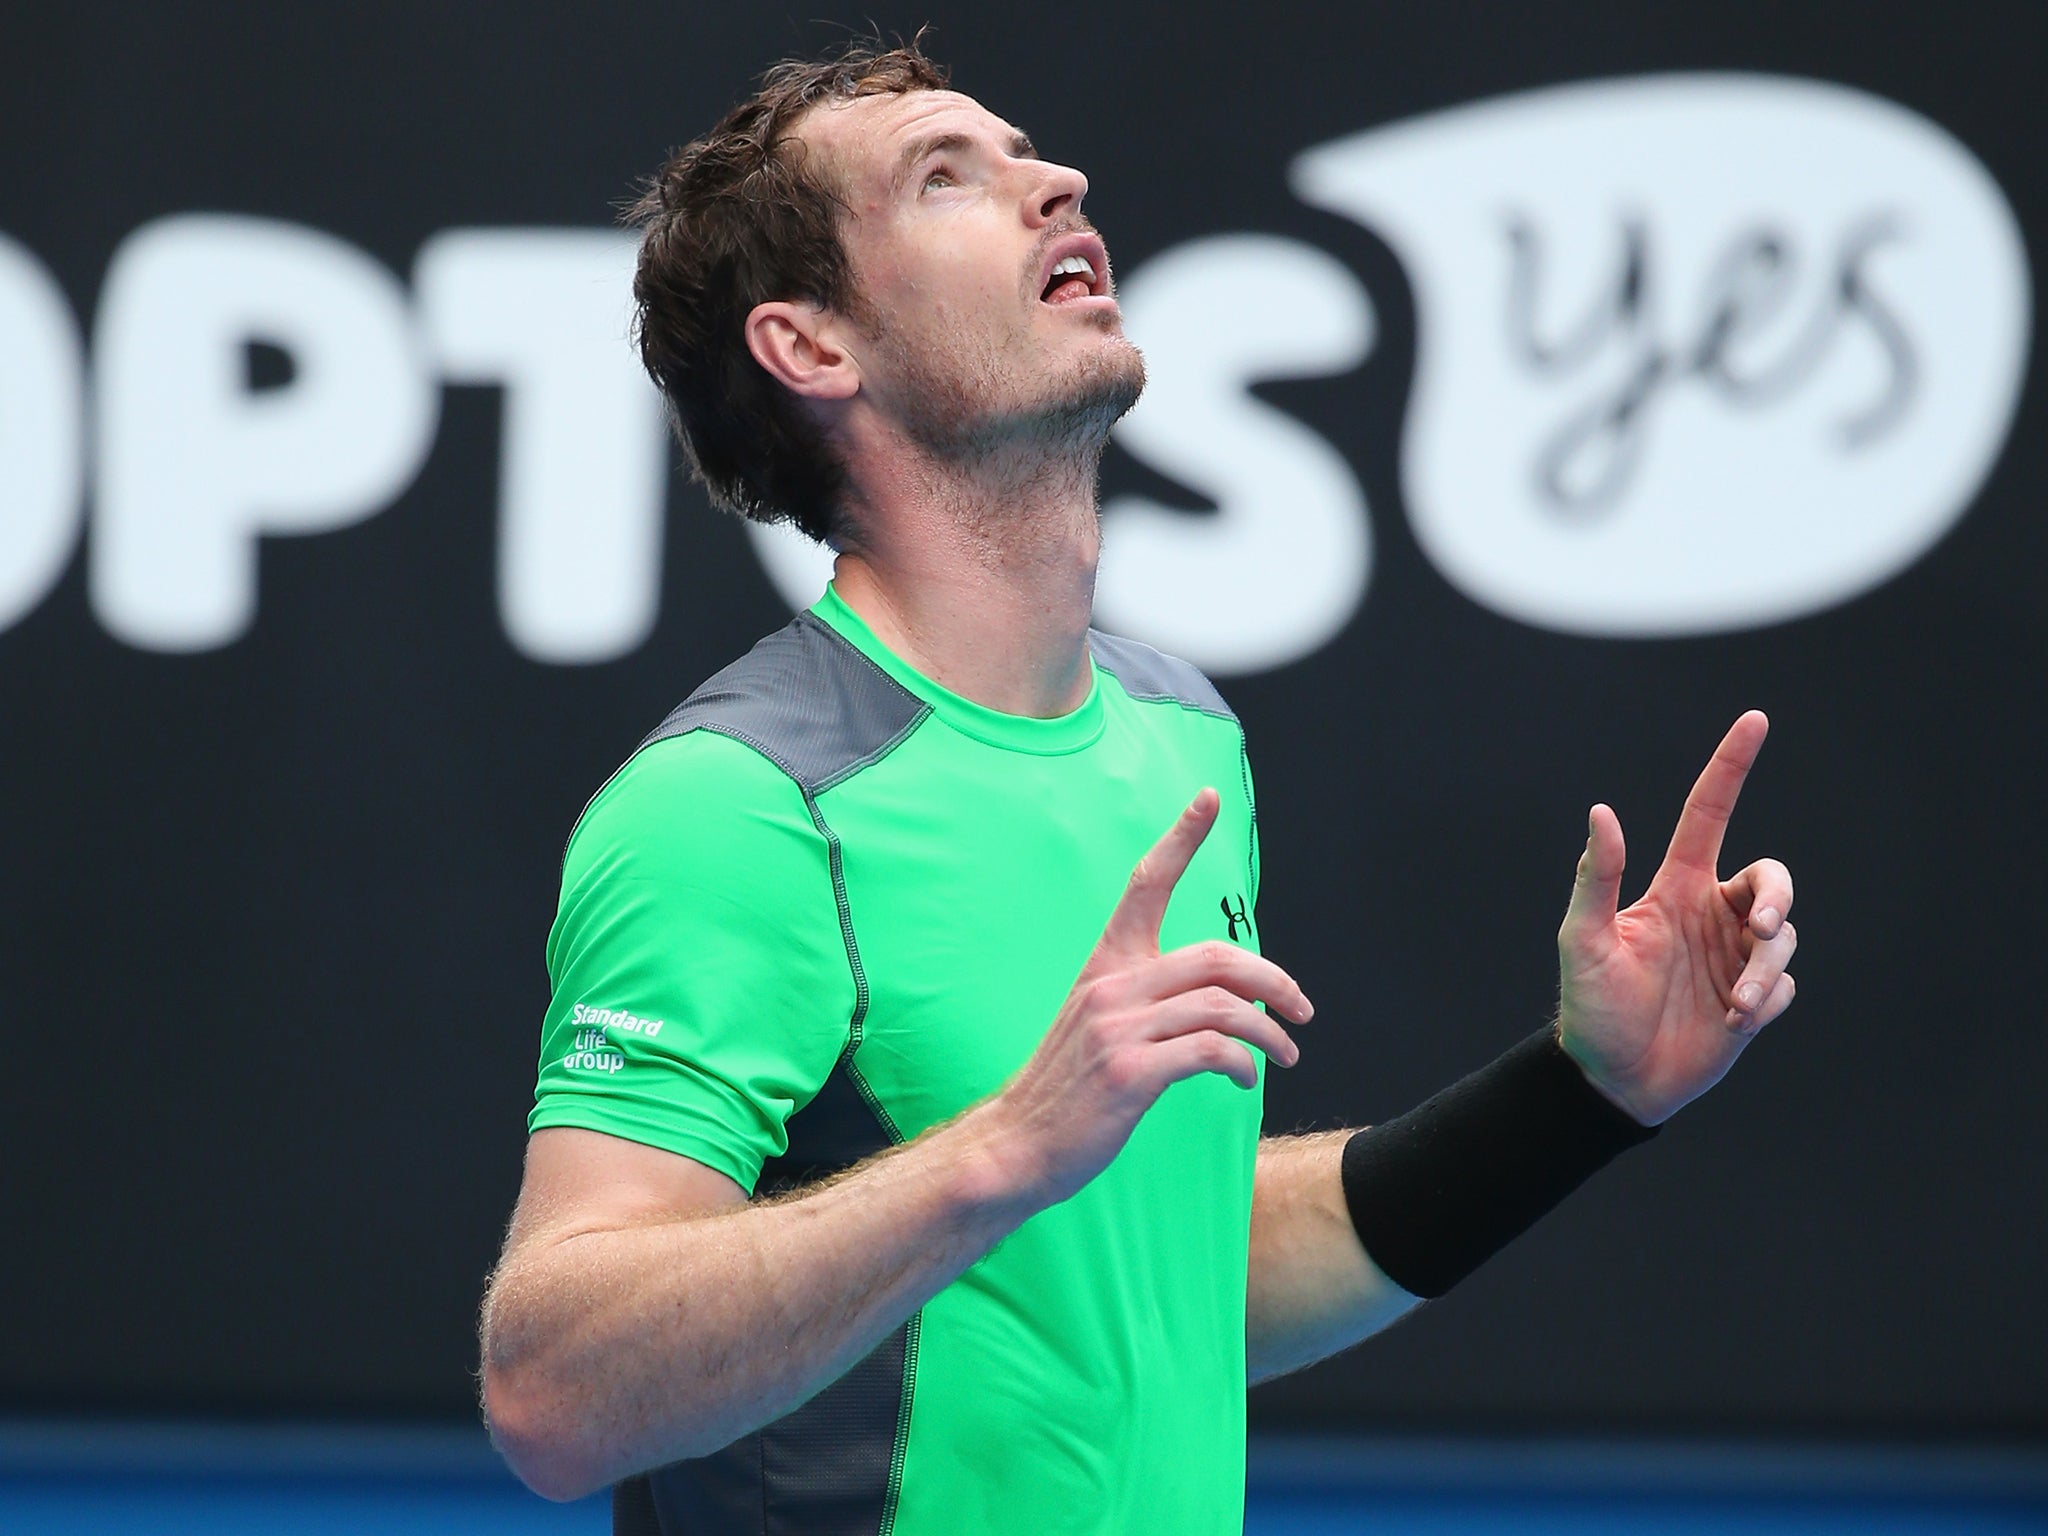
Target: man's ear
{"type": "Point", "coordinates": [798, 344]}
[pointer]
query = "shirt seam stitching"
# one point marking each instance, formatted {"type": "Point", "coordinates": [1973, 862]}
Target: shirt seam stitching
{"type": "Point", "coordinates": [856, 1026]}
{"type": "Point", "coordinates": [1190, 705]}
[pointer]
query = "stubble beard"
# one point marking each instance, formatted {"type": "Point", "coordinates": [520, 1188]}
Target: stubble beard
{"type": "Point", "coordinates": [960, 407]}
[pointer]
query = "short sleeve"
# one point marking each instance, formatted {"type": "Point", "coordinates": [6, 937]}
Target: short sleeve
{"type": "Point", "coordinates": [702, 991]}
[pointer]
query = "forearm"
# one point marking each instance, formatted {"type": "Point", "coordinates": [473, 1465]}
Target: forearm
{"type": "Point", "coordinates": [1312, 1288]}
{"type": "Point", "coordinates": [1351, 1229]}
{"type": "Point", "coordinates": [610, 1351]}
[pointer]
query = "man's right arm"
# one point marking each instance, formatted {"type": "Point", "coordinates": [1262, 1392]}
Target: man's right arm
{"type": "Point", "coordinates": [645, 1312]}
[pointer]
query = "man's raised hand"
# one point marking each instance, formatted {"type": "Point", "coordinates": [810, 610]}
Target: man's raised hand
{"type": "Point", "coordinates": [1138, 1021]}
{"type": "Point", "coordinates": [1657, 1001]}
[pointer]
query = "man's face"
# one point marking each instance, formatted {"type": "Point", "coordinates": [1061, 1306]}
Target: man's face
{"type": "Point", "coordinates": [994, 312]}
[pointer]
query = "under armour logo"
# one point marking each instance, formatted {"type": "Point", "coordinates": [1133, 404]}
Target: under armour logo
{"type": "Point", "coordinates": [1236, 917]}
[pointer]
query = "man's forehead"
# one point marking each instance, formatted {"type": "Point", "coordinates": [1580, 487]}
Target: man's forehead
{"type": "Point", "coordinates": [865, 135]}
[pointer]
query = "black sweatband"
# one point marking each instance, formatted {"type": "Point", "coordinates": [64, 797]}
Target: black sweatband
{"type": "Point", "coordinates": [1439, 1191]}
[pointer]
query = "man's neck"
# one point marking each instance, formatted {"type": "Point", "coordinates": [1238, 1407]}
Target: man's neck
{"type": "Point", "coordinates": [984, 583]}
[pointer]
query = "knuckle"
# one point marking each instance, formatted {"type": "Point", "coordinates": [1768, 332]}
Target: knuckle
{"type": "Point", "coordinates": [1102, 995]}
{"type": "Point", "coordinates": [1121, 1070]}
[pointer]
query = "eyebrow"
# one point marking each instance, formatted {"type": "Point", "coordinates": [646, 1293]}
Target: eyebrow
{"type": "Point", "coordinates": [1020, 147]}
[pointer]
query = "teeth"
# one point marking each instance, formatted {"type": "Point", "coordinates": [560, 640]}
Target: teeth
{"type": "Point", "coordinates": [1076, 266]}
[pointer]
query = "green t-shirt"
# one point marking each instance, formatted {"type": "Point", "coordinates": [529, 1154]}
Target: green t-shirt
{"type": "Point", "coordinates": [829, 905]}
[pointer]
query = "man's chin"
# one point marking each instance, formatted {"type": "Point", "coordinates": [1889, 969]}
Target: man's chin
{"type": "Point", "coordinates": [1106, 385]}
{"type": "Point", "coordinates": [1072, 418]}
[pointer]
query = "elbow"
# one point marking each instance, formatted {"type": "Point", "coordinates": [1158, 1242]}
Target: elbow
{"type": "Point", "coordinates": [538, 1437]}
{"type": "Point", "coordinates": [545, 1437]}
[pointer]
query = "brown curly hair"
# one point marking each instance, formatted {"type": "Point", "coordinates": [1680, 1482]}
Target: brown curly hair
{"type": "Point", "coordinates": [735, 219]}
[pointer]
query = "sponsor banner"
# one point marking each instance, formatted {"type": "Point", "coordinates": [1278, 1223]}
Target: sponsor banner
{"type": "Point", "coordinates": [1529, 394]}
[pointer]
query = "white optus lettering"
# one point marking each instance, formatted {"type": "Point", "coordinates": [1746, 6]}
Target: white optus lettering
{"type": "Point", "coordinates": [193, 464]}
{"type": "Point", "coordinates": [1694, 353]}
{"type": "Point", "coordinates": [584, 464]}
{"type": "Point", "coordinates": [1282, 564]}
{"type": "Point", "coordinates": [42, 434]}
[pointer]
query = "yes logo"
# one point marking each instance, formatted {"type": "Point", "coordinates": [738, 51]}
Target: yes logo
{"type": "Point", "coordinates": [1694, 353]}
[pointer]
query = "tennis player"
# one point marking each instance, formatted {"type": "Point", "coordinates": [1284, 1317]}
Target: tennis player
{"type": "Point", "coordinates": [896, 1161]}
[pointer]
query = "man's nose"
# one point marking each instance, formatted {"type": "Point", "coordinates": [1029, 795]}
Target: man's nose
{"type": "Point", "coordinates": [1058, 192]}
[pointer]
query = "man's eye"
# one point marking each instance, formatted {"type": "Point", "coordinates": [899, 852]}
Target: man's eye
{"type": "Point", "coordinates": [938, 179]}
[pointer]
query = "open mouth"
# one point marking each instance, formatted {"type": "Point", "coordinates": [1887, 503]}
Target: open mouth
{"type": "Point", "coordinates": [1072, 277]}
{"type": "Point", "coordinates": [1077, 270]}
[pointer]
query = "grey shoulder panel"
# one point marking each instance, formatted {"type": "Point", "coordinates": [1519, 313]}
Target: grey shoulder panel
{"type": "Point", "coordinates": [1151, 675]}
{"type": "Point", "coordinates": [806, 699]}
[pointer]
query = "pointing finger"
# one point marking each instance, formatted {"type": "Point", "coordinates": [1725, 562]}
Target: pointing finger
{"type": "Point", "coordinates": [1697, 840]}
{"type": "Point", "coordinates": [1142, 908]}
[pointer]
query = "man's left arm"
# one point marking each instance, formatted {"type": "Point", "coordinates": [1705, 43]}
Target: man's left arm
{"type": "Point", "coordinates": [1313, 1288]}
{"type": "Point", "coordinates": [1352, 1229]}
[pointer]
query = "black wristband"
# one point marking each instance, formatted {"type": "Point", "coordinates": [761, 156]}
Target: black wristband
{"type": "Point", "coordinates": [1439, 1191]}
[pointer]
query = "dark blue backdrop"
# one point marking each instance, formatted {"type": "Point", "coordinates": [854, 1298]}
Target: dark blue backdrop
{"type": "Point", "coordinates": [272, 903]}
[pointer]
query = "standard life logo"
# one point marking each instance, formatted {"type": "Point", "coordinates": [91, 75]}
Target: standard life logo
{"type": "Point", "coordinates": [594, 1044]}
{"type": "Point", "coordinates": [1694, 353]}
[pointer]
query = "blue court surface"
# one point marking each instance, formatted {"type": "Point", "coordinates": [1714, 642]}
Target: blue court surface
{"type": "Point", "coordinates": [237, 1481]}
